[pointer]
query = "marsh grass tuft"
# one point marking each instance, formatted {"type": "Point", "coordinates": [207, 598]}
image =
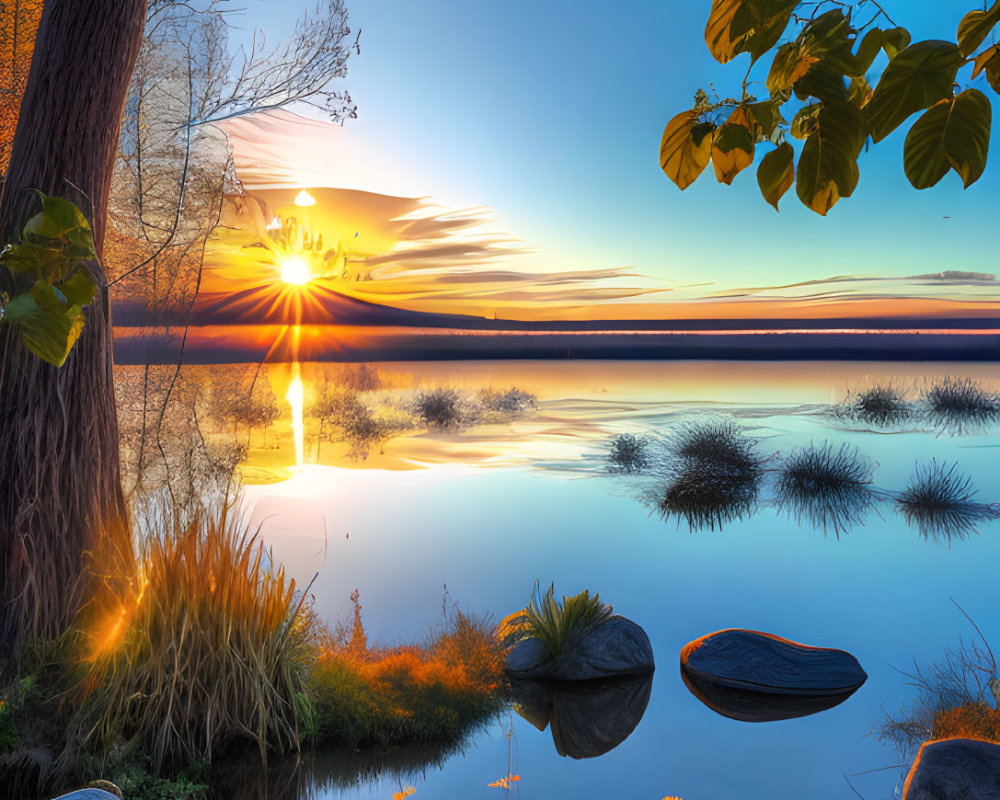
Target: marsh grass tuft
{"type": "Point", "coordinates": [714, 477]}
{"type": "Point", "coordinates": [430, 694]}
{"type": "Point", "coordinates": [629, 453]}
{"type": "Point", "coordinates": [557, 624]}
{"type": "Point", "coordinates": [961, 406]}
{"type": "Point", "coordinates": [940, 502]}
{"type": "Point", "coordinates": [959, 695]}
{"type": "Point", "coordinates": [831, 488]}
{"type": "Point", "coordinates": [879, 406]}
{"type": "Point", "coordinates": [441, 408]}
{"type": "Point", "coordinates": [208, 650]}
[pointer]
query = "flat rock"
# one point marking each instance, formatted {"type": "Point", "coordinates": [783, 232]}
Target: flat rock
{"type": "Point", "coordinates": [954, 769]}
{"type": "Point", "coordinates": [616, 647]}
{"type": "Point", "coordinates": [88, 794]}
{"type": "Point", "coordinates": [758, 677]}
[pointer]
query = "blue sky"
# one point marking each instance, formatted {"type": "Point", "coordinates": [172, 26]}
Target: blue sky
{"type": "Point", "coordinates": [551, 113]}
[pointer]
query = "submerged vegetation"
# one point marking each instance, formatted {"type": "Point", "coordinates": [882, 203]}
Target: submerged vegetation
{"type": "Point", "coordinates": [830, 488]}
{"type": "Point", "coordinates": [941, 502]}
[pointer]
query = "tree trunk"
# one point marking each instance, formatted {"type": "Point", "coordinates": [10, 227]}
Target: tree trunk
{"type": "Point", "coordinates": [60, 486]}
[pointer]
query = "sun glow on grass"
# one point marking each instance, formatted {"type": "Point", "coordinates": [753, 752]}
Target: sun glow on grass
{"type": "Point", "coordinates": [296, 270]}
{"type": "Point", "coordinates": [303, 199]}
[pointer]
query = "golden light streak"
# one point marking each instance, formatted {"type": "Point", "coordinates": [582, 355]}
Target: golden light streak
{"type": "Point", "coordinates": [295, 396]}
{"type": "Point", "coordinates": [304, 199]}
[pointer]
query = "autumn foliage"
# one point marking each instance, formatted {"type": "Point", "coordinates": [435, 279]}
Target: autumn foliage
{"type": "Point", "coordinates": [18, 25]}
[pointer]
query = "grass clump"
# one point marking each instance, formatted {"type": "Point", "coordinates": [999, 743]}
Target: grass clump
{"type": "Point", "coordinates": [831, 488]}
{"type": "Point", "coordinates": [190, 784]}
{"type": "Point", "coordinates": [880, 406]}
{"type": "Point", "coordinates": [941, 502]}
{"type": "Point", "coordinates": [959, 695]}
{"type": "Point", "coordinates": [434, 693]}
{"type": "Point", "coordinates": [961, 406]}
{"type": "Point", "coordinates": [557, 624]}
{"type": "Point", "coordinates": [208, 651]}
{"type": "Point", "coordinates": [629, 453]}
{"type": "Point", "coordinates": [503, 404]}
{"type": "Point", "coordinates": [715, 476]}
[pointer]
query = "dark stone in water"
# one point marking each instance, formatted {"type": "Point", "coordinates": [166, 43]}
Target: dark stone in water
{"type": "Point", "coordinates": [587, 718]}
{"type": "Point", "coordinates": [758, 677]}
{"type": "Point", "coordinates": [954, 769]}
{"type": "Point", "coordinates": [616, 647]}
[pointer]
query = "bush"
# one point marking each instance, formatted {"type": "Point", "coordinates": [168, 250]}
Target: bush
{"type": "Point", "coordinates": [629, 453]}
{"type": "Point", "coordinates": [962, 406]}
{"type": "Point", "coordinates": [556, 624]}
{"type": "Point", "coordinates": [440, 408]}
{"type": "Point", "coordinates": [506, 403]}
{"type": "Point", "coordinates": [431, 694]}
{"type": "Point", "coordinates": [832, 489]}
{"type": "Point", "coordinates": [881, 406]}
{"type": "Point", "coordinates": [209, 649]}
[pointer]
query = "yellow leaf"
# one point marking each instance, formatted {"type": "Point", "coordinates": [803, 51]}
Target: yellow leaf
{"type": "Point", "coordinates": [404, 794]}
{"type": "Point", "coordinates": [731, 163]}
{"type": "Point", "coordinates": [717, 30]}
{"type": "Point", "coordinates": [685, 148]}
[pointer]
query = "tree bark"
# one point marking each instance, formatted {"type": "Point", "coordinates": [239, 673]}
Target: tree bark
{"type": "Point", "coordinates": [61, 502]}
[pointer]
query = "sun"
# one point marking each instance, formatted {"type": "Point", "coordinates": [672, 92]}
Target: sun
{"type": "Point", "coordinates": [296, 270]}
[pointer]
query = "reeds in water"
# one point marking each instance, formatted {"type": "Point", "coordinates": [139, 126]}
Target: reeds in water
{"type": "Point", "coordinates": [878, 406]}
{"type": "Point", "coordinates": [628, 453]}
{"type": "Point", "coordinates": [714, 478]}
{"type": "Point", "coordinates": [830, 488]}
{"type": "Point", "coordinates": [961, 406]}
{"type": "Point", "coordinates": [941, 502]}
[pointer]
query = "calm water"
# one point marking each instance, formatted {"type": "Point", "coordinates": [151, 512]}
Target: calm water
{"type": "Point", "coordinates": [491, 510]}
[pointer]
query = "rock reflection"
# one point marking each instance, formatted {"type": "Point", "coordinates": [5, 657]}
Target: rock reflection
{"type": "Point", "coordinates": [587, 718]}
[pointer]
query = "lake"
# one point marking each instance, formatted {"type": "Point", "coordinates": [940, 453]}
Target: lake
{"type": "Point", "coordinates": [484, 512]}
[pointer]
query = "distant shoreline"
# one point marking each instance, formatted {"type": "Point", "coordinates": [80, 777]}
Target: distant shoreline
{"type": "Point", "coordinates": [274, 344]}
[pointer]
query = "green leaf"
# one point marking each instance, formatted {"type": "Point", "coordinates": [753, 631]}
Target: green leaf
{"type": "Point", "coordinates": [954, 134]}
{"type": "Point", "coordinates": [894, 41]}
{"type": "Point", "coordinates": [918, 77]}
{"type": "Point", "coordinates": [791, 62]}
{"type": "Point", "coordinates": [804, 122]}
{"type": "Point", "coordinates": [975, 27]}
{"type": "Point", "coordinates": [776, 173]}
{"type": "Point", "coordinates": [823, 83]}
{"type": "Point", "coordinates": [49, 326]}
{"type": "Point", "coordinates": [685, 148]}
{"type": "Point", "coordinates": [867, 51]}
{"type": "Point", "coordinates": [56, 220]}
{"type": "Point", "coordinates": [828, 168]}
{"type": "Point", "coordinates": [989, 60]}
{"type": "Point", "coordinates": [859, 92]}
{"type": "Point", "coordinates": [733, 149]}
{"type": "Point", "coordinates": [767, 115]}
{"type": "Point", "coordinates": [746, 26]}
{"type": "Point", "coordinates": [31, 259]}
{"type": "Point", "coordinates": [78, 289]}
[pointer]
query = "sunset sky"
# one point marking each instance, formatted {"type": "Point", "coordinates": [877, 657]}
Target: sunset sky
{"type": "Point", "coordinates": [547, 119]}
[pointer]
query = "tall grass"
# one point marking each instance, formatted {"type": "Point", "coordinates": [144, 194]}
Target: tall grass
{"type": "Point", "coordinates": [557, 625]}
{"type": "Point", "coordinates": [831, 488]}
{"type": "Point", "coordinates": [209, 649]}
{"type": "Point", "coordinates": [941, 502]}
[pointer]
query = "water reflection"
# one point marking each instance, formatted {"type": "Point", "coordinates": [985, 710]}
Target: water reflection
{"type": "Point", "coordinates": [940, 502]}
{"type": "Point", "coordinates": [587, 718]}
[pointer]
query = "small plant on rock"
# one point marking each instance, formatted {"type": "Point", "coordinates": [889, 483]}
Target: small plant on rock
{"type": "Point", "coordinates": [555, 624]}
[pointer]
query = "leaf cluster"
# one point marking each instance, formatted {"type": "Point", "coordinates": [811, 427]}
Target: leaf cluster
{"type": "Point", "coordinates": [51, 279]}
{"type": "Point", "coordinates": [556, 624]}
{"type": "Point", "coordinates": [819, 78]}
